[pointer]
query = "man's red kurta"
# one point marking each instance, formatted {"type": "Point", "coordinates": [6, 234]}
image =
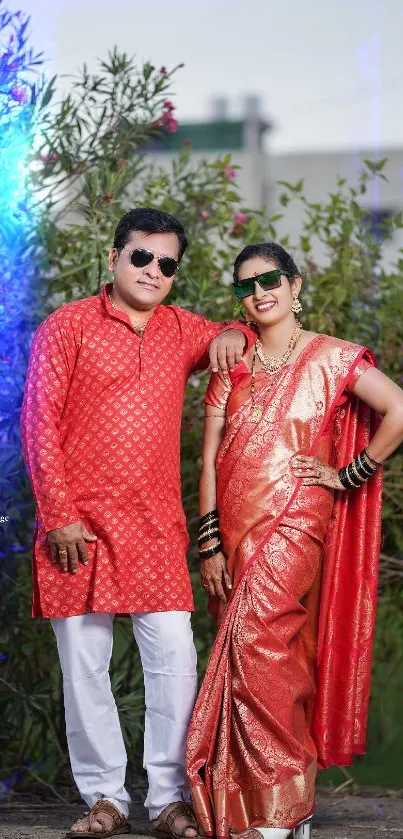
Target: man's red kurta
{"type": "Point", "coordinates": [101, 436]}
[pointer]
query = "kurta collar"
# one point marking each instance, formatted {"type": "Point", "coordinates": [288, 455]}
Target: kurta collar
{"type": "Point", "coordinates": [153, 323]}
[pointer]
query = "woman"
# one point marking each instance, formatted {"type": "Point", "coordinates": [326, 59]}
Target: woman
{"type": "Point", "coordinates": [290, 504]}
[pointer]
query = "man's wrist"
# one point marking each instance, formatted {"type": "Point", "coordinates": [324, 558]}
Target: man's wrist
{"type": "Point", "coordinates": [248, 333]}
{"type": "Point", "coordinates": [52, 523]}
{"type": "Point", "coordinates": [238, 329]}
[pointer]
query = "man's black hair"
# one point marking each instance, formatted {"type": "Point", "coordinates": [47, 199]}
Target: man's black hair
{"type": "Point", "coordinates": [149, 220]}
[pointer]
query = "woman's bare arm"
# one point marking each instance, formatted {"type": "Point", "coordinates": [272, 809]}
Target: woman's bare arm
{"type": "Point", "coordinates": [386, 397]}
{"type": "Point", "coordinates": [214, 427]}
{"type": "Point", "coordinates": [213, 571]}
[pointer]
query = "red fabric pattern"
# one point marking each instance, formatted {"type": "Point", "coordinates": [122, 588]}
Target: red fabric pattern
{"type": "Point", "coordinates": [301, 613]}
{"type": "Point", "coordinates": [101, 438]}
{"type": "Point", "coordinates": [348, 595]}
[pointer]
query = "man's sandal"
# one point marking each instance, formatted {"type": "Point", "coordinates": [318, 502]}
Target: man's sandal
{"type": "Point", "coordinates": [166, 820]}
{"type": "Point", "coordinates": [119, 826]}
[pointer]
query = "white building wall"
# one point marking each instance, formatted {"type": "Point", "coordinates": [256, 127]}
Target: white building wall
{"type": "Point", "coordinates": [320, 172]}
{"type": "Point", "coordinates": [260, 172]}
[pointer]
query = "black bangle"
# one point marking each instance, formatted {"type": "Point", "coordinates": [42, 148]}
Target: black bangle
{"type": "Point", "coordinates": [358, 471]}
{"type": "Point", "coordinates": [212, 523]}
{"type": "Point", "coordinates": [343, 478]}
{"type": "Point", "coordinates": [361, 471]}
{"type": "Point", "coordinates": [207, 528]}
{"type": "Point", "coordinates": [210, 534]}
{"type": "Point", "coordinates": [216, 549]}
{"type": "Point", "coordinates": [208, 517]}
{"type": "Point", "coordinates": [355, 471]}
{"type": "Point", "coordinates": [364, 465]}
{"type": "Point", "coordinates": [354, 479]}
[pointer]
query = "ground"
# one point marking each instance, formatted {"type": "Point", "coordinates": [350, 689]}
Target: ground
{"type": "Point", "coordinates": [337, 817]}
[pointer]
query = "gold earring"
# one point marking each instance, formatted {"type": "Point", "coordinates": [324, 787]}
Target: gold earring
{"type": "Point", "coordinates": [296, 306]}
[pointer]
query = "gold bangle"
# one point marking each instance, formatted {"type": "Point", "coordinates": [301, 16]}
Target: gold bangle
{"type": "Point", "coordinates": [206, 550]}
{"type": "Point", "coordinates": [215, 534]}
{"type": "Point", "coordinates": [209, 524]}
{"type": "Point", "coordinates": [356, 473]}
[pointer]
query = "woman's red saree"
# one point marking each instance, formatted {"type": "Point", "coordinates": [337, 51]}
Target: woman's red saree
{"type": "Point", "coordinates": [287, 684]}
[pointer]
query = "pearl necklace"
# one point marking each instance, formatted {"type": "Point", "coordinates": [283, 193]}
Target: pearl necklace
{"type": "Point", "coordinates": [270, 365]}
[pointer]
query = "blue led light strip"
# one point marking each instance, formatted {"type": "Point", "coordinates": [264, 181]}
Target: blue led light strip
{"type": "Point", "coordinates": [20, 84]}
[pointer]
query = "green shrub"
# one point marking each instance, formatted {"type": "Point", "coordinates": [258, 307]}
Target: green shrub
{"type": "Point", "coordinates": [91, 165]}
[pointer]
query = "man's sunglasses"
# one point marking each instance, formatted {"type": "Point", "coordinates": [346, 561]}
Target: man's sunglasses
{"type": "Point", "coordinates": [268, 280]}
{"type": "Point", "coordinates": [141, 257]}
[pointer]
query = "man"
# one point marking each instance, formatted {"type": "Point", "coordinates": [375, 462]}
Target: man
{"type": "Point", "coordinates": [101, 436]}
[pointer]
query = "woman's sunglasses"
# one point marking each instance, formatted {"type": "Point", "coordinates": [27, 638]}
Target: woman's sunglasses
{"type": "Point", "coordinates": [141, 257]}
{"type": "Point", "coordinates": [268, 280]}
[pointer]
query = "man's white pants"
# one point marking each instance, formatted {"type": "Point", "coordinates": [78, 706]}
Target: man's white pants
{"type": "Point", "coordinates": [96, 748]}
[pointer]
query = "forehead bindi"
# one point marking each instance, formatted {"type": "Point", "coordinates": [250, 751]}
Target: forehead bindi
{"type": "Point", "coordinates": [255, 267]}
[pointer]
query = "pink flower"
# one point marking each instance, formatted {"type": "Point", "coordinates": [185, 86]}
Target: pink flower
{"type": "Point", "coordinates": [204, 215]}
{"type": "Point", "coordinates": [229, 173]}
{"type": "Point", "coordinates": [20, 94]}
{"type": "Point", "coordinates": [168, 105]}
{"type": "Point", "coordinates": [163, 71]}
{"type": "Point", "coordinates": [239, 220]}
{"type": "Point", "coordinates": [48, 158]}
{"type": "Point", "coordinates": [171, 124]}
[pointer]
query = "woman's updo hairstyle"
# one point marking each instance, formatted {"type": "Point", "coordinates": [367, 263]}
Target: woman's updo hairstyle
{"type": "Point", "coordinates": [269, 251]}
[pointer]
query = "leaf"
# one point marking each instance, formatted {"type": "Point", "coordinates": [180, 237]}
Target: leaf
{"type": "Point", "coordinates": [294, 188]}
{"type": "Point", "coordinates": [375, 166]}
{"type": "Point", "coordinates": [48, 93]}
{"type": "Point", "coordinates": [305, 244]}
{"type": "Point", "coordinates": [106, 116]}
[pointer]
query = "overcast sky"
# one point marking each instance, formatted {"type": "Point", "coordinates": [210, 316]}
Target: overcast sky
{"type": "Point", "coordinates": [329, 72]}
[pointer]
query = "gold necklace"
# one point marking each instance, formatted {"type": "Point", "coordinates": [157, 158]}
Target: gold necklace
{"type": "Point", "coordinates": [139, 329]}
{"type": "Point", "coordinates": [270, 365]}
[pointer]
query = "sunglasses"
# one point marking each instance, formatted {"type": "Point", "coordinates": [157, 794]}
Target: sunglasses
{"type": "Point", "coordinates": [268, 280]}
{"type": "Point", "coordinates": [141, 257]}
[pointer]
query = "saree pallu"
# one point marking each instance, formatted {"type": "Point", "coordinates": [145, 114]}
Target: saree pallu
{"type": "Point", "coordinates": [287, 683]}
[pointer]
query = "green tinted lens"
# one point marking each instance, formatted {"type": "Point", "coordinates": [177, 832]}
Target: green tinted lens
{"type": "Point", "coordinates": [270, 279]}
{"type": "Point", "coordinates": [243, 288]}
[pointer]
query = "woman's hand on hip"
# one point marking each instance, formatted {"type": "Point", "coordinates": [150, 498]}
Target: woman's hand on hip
{"type": "Point", "coordinates": [312, 472]}
{"type": "Point", "coordinates": [214, 576]}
